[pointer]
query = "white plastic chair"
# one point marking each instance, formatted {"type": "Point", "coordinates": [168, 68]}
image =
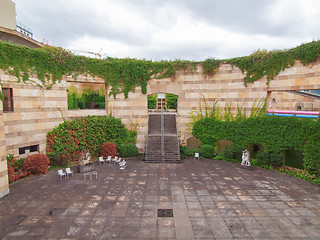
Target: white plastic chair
{"type": "Point", "coordinates": [196, 156]}
{"type": "Point", "coordinates": [123, 166]}
{"type": "Point", "coordinates": [115, 160]}
{"type": "Point", "coordinates": [101, 160]}
{"type": "Point", "coordinates": [69, 172]}
{"type": "Point", "coordinates": [108, 159]}
{"type": "Point", "coordinates": [61, 174]}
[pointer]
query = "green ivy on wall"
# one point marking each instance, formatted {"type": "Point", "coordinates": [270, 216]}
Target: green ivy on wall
{"type": "Point", "coordinates": [276, 134]}
{"type": "Point", "coordinates": [50, 64]}
{"type": "Point", "coordinates": [87, 134]}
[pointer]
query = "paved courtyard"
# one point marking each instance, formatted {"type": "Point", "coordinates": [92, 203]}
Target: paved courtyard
{"type": "Point", "coordinates": [211, 199]}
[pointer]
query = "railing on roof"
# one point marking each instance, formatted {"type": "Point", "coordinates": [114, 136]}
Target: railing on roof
{"type": "Point", "coordinates": [300, 114]}
{"type": "Point", "coordinates": [24, 30]}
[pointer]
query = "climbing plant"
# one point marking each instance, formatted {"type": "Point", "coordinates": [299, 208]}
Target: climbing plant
{"type": "Point", "coordinates": [87, 134]}
{"type": "Point", "coordinates": [124, 75]}
{"type": "Point", "coordinates": [276, 134]}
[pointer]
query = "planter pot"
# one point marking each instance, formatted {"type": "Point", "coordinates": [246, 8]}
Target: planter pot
{"type": "Point", "coordinates": [85, 168]}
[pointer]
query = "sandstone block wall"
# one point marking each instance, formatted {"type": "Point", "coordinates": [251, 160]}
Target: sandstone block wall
{"type": "Point", "coordinates": [4, 183]}
{"type": "Point", "coordinates": [37, 110]}
{"type": "Point", "coordinates": [227, 87]}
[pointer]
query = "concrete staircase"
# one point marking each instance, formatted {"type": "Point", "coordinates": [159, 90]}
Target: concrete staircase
{"type": "Point", "coordinates": [170, 138]}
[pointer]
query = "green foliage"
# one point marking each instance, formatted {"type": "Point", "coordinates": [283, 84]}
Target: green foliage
{"type": "Point", "coordinates": [58, 158]}
{"type": "Point", "coordinates": [152, 101]}
{"type": "Point", "coordinates": [269, 63]}
{"type": "Point", "coordinates": [172, 101]}
{"type": "Point", "coordinates": [83, 101]}
{"type": "Point", "coordinates": [185, 151]}
{"type": "Point", "coordinates": [269, 159]}
{"type": "Point", "coordinates": [87, 134]}
{"type": "Point", "coordinates": [123, 75]}
{"type": "Point", "coordinates": [15, 168]}
{"type": "Point", "coordinates": [303, 174]}
{"type": "Point", "coordinates": [210, 66]}
{"type": "Point", "coordinates": [214, 111]}
{"type": "Point", "coordinates": [207, 151]}
{"type": "Point", "coordinates": [129, 150]}
{"type": "Point", "coordinates": [312, 150]}
{"type": "Point", "coordinates": [276, 134]}
{"type": "Point", "coordinates": [233, 153]}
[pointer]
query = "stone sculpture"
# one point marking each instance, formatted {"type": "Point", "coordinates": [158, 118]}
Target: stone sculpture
{"type": "Point", "coordinates": [85, 158]}
{"type": "Point", "coordinates": [246, 158]}
{"type": "Point", "coordinates": [84, 163]}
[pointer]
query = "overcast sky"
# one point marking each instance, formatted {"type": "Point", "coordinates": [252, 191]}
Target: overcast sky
{"type": "Point", "coordinates": [172, 29]}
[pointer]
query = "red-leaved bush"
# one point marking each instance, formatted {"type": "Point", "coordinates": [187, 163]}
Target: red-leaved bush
{"type": "Point", "coordinates": [15, 168]}
{"type": "Point", "coordinates": [11, 174]}
{"type": "Point", "coordinates": [37, 164]}
{"type": "Point", "coordinates": [108, 149]}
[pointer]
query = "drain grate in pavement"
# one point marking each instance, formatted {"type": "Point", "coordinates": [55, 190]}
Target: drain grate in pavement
{"type": "Point", "coordinates": [165, 213]}
{"type": "Point", "coordinates": [16, 220]}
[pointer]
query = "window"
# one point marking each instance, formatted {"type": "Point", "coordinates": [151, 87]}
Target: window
{"type": "Point", "coordinates": [8, 100]}
{"type": "Point", "coordinates": [33, 148]}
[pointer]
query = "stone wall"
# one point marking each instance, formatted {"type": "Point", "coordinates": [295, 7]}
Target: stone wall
{"type": "Point", "coordinates": [4, 183]}
{"type": "Point", "coordinates": [37, 110]}
{"type": "Point", "coordinates": [227, 87]}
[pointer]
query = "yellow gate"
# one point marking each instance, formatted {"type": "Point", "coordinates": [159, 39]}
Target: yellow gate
{"type": "Point", "coordinates": [161, 101]}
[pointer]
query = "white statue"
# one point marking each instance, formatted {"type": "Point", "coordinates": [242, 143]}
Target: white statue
{"type": "Point", "coordinates": [246, 158]}
{"type": "Point", "coordinates": [85, 158]}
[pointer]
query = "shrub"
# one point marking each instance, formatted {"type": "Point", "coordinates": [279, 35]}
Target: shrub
{"type": "Point", "coordinates": [207, 151]}
{"type": "Point", "coordinates": [312, 153]}
{"type": "Point", "coordinates": [58, 159]}
{"type": "Point", "coordinates": [15, 168]}
{"type": "Point", "coordinates": [108, 149]}
{"type": "Point", "coordinates": [87, 134]}
{"type": "Point", "coordinates": [233, 153]}
{"type": "Point", "coordinates": [37, 164]}
{"type": "Point", "coordinates": [129, 150]}
{"type": "Point", "coordinates": [269, 158]}
{"type": "Point", "coordinates": [11, 173]}
{"type": "Point", "coordinates": [185, 151]}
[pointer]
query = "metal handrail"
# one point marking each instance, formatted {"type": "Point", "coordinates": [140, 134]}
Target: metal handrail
{"type": "Point", "coordinates": [162, 135]}
{"type": "Point", "coordinates": [178, 136]}
{"type": "Point", "coordinates": [146, 151]}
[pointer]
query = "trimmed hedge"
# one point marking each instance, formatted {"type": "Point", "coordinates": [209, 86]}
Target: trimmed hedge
{"type": "Point", "coordinates": [276, 134]}
{"type": "Point", "coordinates": [207, 151]}
{"type": "Point", "coordinates": [129, 150]}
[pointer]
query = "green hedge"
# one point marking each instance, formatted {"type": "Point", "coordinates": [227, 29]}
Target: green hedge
{"type": "Point", "coordinates": [87, 134]}
{"type": "Point", "coordinates": [276, 134]}
{"type": "Point", "coordinates": [207, 151]}
{"type": "Point", "coordinates": [128, 150]}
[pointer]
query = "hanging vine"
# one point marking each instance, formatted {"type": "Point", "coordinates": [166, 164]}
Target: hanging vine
{"type": "Point", "coordinates": [50, 64]}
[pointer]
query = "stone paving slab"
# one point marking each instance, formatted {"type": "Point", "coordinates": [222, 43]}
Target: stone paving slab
{"type": "Point", "coordinates": [211, 199]}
